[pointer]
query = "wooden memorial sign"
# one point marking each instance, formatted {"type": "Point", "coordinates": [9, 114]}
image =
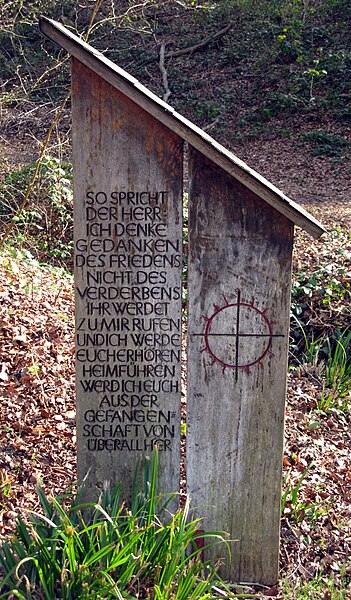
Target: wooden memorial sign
{"type": "Point", "coordinates": [128, 186]}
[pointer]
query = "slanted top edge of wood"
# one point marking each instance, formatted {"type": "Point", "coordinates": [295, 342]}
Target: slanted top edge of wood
{"type": "Point", "coordinates": [182, 126]}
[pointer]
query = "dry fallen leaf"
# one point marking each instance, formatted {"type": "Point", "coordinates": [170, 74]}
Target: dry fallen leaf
{"type": "Point", "coordinates": [3, 373]}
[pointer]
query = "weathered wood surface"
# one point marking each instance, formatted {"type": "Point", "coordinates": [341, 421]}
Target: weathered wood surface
{"type": "Point", "coordinates": [164, 113]}
{"type": "Point", "coordinates": [239, 298]}
{"type": "Point", "coordinates": [128, 271]}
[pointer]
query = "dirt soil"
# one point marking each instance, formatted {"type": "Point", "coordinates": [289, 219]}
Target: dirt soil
{"type": "Point", "coordinates": [37, 375]}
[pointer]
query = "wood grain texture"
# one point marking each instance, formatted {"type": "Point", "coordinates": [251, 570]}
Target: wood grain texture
{"type": "Point", "coordinates": [163, 112]}
{"type": "Point", "coordinates": [127, 191]}
{"type": "Point", "coordinates": [239, 297]}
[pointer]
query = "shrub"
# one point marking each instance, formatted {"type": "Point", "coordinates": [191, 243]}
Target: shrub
{"type": "Point", "coordinates": [45, 225]}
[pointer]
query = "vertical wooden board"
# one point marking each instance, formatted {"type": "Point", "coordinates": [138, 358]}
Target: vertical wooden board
{"type": "Point", "coordinates": [239, 298]}
{"type": "Point", "coordinates": [128, 248]}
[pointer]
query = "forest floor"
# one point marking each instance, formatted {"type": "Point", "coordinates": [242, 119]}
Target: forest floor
{"type": "Point", "coordinates": [37, 418]}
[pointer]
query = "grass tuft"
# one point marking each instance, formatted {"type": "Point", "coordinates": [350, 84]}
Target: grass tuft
{"type": "Point", "coordinates": [103, 550]}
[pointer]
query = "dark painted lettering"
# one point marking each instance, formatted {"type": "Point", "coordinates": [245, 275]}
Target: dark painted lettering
{"type": "Point", "coordinates": [128, 341]}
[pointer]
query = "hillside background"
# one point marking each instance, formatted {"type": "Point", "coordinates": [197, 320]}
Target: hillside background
{"type": "Point", "coordinates": [270, 79]}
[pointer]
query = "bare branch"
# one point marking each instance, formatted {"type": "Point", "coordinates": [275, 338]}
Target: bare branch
{"type": "Point", "coordinates": [200, 45]}
{"type": "Point", "coordinates": [168, 92]}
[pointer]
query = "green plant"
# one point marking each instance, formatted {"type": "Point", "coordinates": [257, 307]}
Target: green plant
{"type": "Point", "coordinates": [327, 285]}
{"type": "Point", "coordinates": [10, 259]}
{"type": "Point", "coordinates": [44, 226]}
{"type": "Point", "coordinates": [324, 143]}
{"type": "Point", "coordinates": [328, 360]}
{"type": "Point", "coordinates": [309, 353]}
{"type": "Point", "coordinates": [313, 73]}
{"type": "Point", "coordinates": [293, 507]}
{"type": "Point", "coordinates": [5, 485]}
{"type": "Point", "coordinates": [106, 550]}
{"type": "Point", "coordinates": [319, 588]}
{"type": "Point", "coordinates": [337, 372]}
{"type": "Point", "coordinates": [290, 503]}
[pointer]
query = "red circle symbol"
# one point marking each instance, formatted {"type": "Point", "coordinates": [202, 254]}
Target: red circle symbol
{"type": "Point", "coordinates": [238, 335]}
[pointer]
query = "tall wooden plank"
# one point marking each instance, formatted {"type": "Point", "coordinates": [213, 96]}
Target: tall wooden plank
{"type": "Point", "coordinates": [239, 297]}
{"type": "Point", "coordinates": [128, 248]}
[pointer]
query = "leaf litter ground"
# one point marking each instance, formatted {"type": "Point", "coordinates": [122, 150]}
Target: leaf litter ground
{"type": "Point", "coordinates": [38, 410]}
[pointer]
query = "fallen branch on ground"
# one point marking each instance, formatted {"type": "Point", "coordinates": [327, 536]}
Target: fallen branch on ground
{"type": "Point", "coordinates": [200, 45]}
